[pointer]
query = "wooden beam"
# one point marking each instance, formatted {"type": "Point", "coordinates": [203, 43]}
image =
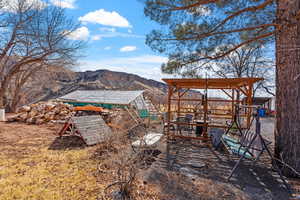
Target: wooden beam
{"type": "Point", "coordinates": [209, 100]}
{"type": "Point", "coordinates": [178, 104]}
{"type": "Point", "coordinates": [192, 99]}
{"type": "Point", "coordinates": [249, 102]}
{"type": "Point", "coordinates": [191, 137]}
{"type": "Point", "coordinates": [214, 83]}
{"type": "Point", "coordinates": [182, 94]}
{"type": "Point", "coordinates": [203, 125]}
{"type": "Point", "coordinates": [242, 90]}
{"type": "Point", "coordinates": [226, 93]}
{"type": "Point", "coordinates": [169, 110]}
{"type": "Point", "coordinates": [232, 106]}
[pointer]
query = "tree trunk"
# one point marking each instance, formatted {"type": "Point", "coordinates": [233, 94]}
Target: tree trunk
{"type": "Point", "coordinates": [2, 98]}
{"type": "Point", "coordinates": [16, 97]}
{"type": "Point", "coordinates": [287, 133]}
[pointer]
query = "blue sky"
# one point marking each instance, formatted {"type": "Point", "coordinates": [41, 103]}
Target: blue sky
{"type": "Point", "coordinates": [114, 31]}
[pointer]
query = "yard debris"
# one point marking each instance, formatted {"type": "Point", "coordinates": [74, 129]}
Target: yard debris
{"type": "Point", "coordinates": [43, 112]}
{"type": "Point", "coordinates": [148, 140]}
{"type": "Point", "coordinates": [120, 120]}
{"type": "Point", "coordinates": [92, 129]}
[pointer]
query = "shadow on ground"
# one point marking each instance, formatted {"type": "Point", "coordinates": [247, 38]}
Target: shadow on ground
{"type": "Point", "coordinates": [209, 169]}
{"type": "Point", "coordinates": [67, 143]}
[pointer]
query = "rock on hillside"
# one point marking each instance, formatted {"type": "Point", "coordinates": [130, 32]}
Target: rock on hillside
{"type": "Point", "coordinates": [66, 82]}
{"type": "Point", "coordinates": [104, 79]}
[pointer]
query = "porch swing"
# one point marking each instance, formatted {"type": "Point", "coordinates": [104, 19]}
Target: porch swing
{"type": "Point", "coordinates": [248, 144]}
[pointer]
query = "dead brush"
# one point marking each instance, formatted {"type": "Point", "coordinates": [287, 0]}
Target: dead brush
{"type": "Point", "coordinates": [124, 165]}
{"type": "Point", "coordinates": [106, 152]}
{"type": "Point", "coordinates": [104, 149]}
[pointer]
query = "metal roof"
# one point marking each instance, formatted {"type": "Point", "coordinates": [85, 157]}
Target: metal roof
{"type": "Point", "coordinates": [102, 96]}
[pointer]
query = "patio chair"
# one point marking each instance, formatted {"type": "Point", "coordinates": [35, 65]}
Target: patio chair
{"type": "Point", "coordinates": [189, 118]}
{"type": "Point", "coordinates": [165, 123]}
{"type": "Point", "coordinates": [184, 124]}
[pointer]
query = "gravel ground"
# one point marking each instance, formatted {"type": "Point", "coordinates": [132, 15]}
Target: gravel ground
{"type": "Point", "coordinates": [267, 128]}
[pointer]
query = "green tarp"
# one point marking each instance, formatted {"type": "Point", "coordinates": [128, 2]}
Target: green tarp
{"type": "Point", "coordinates": [142, 113]}
{"type": "Point", "coordinates": [108, 106]}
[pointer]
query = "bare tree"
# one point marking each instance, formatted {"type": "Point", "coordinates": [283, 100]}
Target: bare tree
{"type": "Point", "coordinates": [17, 82]}
{"type": "Point", "coordinates": [29, 85]}
{"type": "Point", "coordinates": [248, 61]}
{"type": "Point", "coordinates": [34, 36]}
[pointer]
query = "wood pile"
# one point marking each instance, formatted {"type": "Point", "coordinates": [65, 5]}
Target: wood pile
{"type": "Point", "coordinates": [43, 112]}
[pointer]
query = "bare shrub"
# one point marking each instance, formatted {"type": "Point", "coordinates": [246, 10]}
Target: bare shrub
{"type": "Point", "coordinates": [118, 159]}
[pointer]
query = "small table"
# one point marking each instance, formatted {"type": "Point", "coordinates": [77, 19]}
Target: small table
{"type": "Point", "coordinates": [199, 129]}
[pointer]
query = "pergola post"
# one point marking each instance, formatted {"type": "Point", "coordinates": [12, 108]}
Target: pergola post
{"type": "Point", "coordinates": [170, 92]}
{"type": "Point", "coordinates": [205, 106]}
{"type": "Point", "coordinates": [178, 103]}
{"type": "Point", "coordinates": [249, 102]}
{"type": "Point", "coordinates": [232, 105]}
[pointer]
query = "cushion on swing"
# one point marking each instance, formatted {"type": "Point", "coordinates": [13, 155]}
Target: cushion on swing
{"type": "Point", "coordinates": [230, 139]}
{"type": "Point", "coordinates": [235, 147]}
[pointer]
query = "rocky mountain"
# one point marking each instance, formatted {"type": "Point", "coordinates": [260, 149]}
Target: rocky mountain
{"type": "Point", "coordinates": [66, 82]}
{"type": "Point", "coordinates": [59, 82]}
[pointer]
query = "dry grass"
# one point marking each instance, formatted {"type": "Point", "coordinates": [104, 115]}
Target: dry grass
{"type": "Point", "coordinates": [28, 170]}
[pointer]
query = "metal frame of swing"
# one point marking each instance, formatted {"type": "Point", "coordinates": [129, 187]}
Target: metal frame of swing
{"type": "Point", "coordinates": [238, 146]}
{"type": "Point", "coordinates": [248, 147]}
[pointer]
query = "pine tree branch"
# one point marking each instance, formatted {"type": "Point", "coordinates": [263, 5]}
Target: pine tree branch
{"type": "Point", "coordinates": [237, 13]}
{"type": "Point", "coordinates": [199, 3]}
{"type": "Point", "coordinates": [209, 34]}
{"type": "Point", "coordinates": [240, 45]}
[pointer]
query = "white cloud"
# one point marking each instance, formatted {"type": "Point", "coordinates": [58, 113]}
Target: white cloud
{"type": "Point", "coordinates": [96, 37]}
{"type": "Point", "coordinates": [147, 66]}
{"type": "Point", "coordinates": [81, 33]}
{"type": "Point", "coordinates": [146, 59]}
{"type": "Point", "coordinates": [105, 18]}
{"type": "Point", "coordinates": [106, 29]}
{"type": "Point", "coordinates": [119, 34]}
{"type": "Point", "coordinates": [106, 32]}
{"type": "Point", "coordinates": [64, 3]}
{"type": "Point", "coordinates": [128, 48]}
{"type": "Point", "coordinates": [107, 48]}
{"type": "Point", "coordinates": [203, 10]}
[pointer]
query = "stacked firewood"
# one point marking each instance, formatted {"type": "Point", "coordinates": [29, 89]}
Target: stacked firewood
{"type": "Point", "coordinates": [43, 112]}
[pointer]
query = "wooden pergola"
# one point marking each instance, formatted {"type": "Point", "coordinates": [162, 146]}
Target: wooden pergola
{"type": "Point", "coordinates": [233, 88]}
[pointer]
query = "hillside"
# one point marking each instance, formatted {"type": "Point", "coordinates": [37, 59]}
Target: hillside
{"type": "Point", "coordinates": [64, 82]}
{"type": "Point", "coordinates": [59, 82]}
